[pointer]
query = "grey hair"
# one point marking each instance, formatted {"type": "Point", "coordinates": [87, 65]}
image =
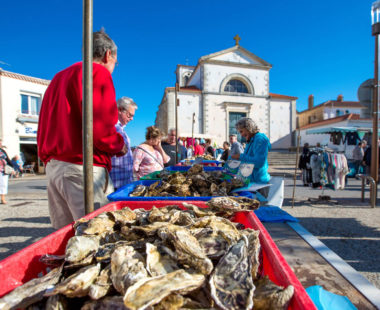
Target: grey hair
{"type": "Point", "coordinates": [125, 102]}
{"type": "Point", "coordinates": [172, 129]}
{"type": "Point", "coordinates": [247, 123]}
{"type": "Point", "coordinates": [101, 44]}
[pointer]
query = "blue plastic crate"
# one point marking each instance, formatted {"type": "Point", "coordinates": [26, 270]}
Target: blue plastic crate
{"type": "Point", "coordinates": [122, 194]}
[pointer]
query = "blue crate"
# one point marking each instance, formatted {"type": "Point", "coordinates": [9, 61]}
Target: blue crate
{"type": "Point", "coordinates": [122, 194]}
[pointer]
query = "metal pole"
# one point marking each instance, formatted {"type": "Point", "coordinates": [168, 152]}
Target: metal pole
{"type": "Point", "coordinates": [296, 167]}
{"type": "Point", "coordinates": [192, 132]}
{"type": "Point", "coordinates": [87, 108]}
{"type": "Point", "coordinates": [176, 121]}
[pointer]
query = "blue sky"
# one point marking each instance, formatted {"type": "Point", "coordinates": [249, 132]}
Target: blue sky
{"type": "Point", "coordinates": [321, 47]}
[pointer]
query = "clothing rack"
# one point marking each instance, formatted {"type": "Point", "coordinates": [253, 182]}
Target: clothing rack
{"type": "Point", "coordinates": [324, 177]}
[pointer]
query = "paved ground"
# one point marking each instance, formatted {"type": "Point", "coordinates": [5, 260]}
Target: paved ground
{"type": "Point", "coordinates": [350, 228]}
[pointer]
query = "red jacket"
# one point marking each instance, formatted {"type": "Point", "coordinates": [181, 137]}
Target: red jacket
{"type": "Point", "coordinates": [199, 150]}
{"type": "Point", "coordinates": [59, 133]}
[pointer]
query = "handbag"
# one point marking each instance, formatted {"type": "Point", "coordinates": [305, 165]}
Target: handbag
{"type": "Point", "coordinates": [8, 170]}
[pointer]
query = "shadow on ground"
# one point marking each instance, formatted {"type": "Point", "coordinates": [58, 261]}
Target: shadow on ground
{"type": "Point", "coordinates": [357, 244]}
{"type": "Point", "coordinates": [35, 220]}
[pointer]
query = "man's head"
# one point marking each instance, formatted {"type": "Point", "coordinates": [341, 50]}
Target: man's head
{"type": "Point", "coordinates": [127, 108]}
{"type": "Point", "coordinates": [363, 143]}
{"type": "Point", "coordinates": [233, 138]}
{"type": "Point", "coordinates": [104, 50]}
{"type": "Point", "coordinates": [172, 136]}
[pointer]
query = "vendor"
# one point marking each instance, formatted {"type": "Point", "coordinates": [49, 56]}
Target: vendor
{"type": "Point", "coordinates": [256, 150]}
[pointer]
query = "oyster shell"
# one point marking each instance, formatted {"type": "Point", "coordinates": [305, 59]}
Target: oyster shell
{"type": "Point", "coordinates": [124, 216]}
{"type": "Point", "coordinates": [188, 250]}
{"type": "Point", "coordinates": [127, 267]}
{"type": "Point", "coordinates": [78, 284]}
{"type": "Point", "coordinates": [253, 249]}
{"type": "Point", "coordinates": [102, 285]}
{"type": "Point", "coordinates": [150, 291]}
{"type": "Point", "coordinates": [96, 226]}
{"type": "Point", "coordinates": [158, 263]}
{"type": "Point", "coordinates": [139, 191]}
{"type": "Point", "coordinates": [30, 292]}
{"type": "Point", "coordinates": [171, 302]}
{"type": "Point", "coordinates": [231, 281]}
{"type": "Point", "coordinates": [80, 247]}
{"type": "Point", "coordinates": [270, 296]}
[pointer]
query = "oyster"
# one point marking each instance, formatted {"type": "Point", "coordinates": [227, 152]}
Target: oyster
{"type": "Point", "coordinates": [171, 302]}
{"type": "Point", "coordinates": [188, 250]}
{"type": "Point", "coordinates": [227, 206]}
{"type": "Point", "coordinates": [270, 296]}
{"type": "Point", "coordinates": [96, 226]}
{"type": "Point", "coordinates": [139, 191]}
{"type": "Point", "coordinates": [196, 169]}
{"type": "Point", "coordinates": [231, 281]}
{"type": "Point", "coordinates": [220, 225]}
{"type": "Point", "coordinates": [127, 267]}
{"type": "Point", "coordinates": [150, 291]}
{"type": "Point", "coordinates": [124, 216]}
{"type": "Point", "coordinates": [78, 284]}
{"type": "Point", "coordinates": [176, 178]}
{"type": "Point", "coordinates": [80, 247]}
{"type": "Point", "coordinates": [30, 292]}
{"type": "Point", "coordinates": [102, 284]}
{"type": "Point", "coordinates": [253, 249]}
{"type": "Point", "coordinates": [158, 263]}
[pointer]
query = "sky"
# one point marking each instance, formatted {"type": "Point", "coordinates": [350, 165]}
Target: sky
{"type": "Point", "coordinates": [324, 48]}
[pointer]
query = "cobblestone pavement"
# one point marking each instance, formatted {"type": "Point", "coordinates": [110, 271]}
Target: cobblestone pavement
{"type": "Point", "coordinates": [349, 227]}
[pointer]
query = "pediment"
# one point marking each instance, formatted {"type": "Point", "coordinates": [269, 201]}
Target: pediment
{"type": "Point", "coordinates": [236, 54]}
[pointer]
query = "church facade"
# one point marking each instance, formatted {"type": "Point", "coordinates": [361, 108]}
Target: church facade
{"type": "Point", "coordinates": [223, 87]}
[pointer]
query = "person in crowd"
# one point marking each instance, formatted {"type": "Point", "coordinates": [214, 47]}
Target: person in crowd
{"type": "Point", "coordinates": [208, 148]}
{"type": "Point", "coordinates": [198, 149]}
{"type": "Point", "coordinates": [367, 159]}
{"type": "Point", "coordinates": [169, 146]}
{"type": "Point", "coordinates": [60, 147]}
{"type": "Point", "coordinates": [122, 166]}
{"type": "Point", "coordinates": [183, 149]}
{"type": "Point", "coordinates": [17, 165]}
{"type": "Point", "coordinates": [4, 161]}
{"type": "Point", "coordinates": [358, 155]}
{"type": "Point", "coordinates": [256, 151]}
{"type": "Point", "coordinates": [226, 153]}
{"type": "Point", "coordinates": [149, 156]}
{"type": "Point", "coordinates": [304, 165]}
{"type": "Point", "coordinates": [236, 147]}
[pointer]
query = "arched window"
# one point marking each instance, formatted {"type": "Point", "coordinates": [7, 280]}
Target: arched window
{"type": "Point", "coordinates": [338, 112]}
{"type": "Point", "coordinates": [236, 86]}
{"type": "Point", "coordinates": [347, 112]}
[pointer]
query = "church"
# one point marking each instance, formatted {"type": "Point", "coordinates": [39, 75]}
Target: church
{"type": "Point", "coordinates": [222, 88]}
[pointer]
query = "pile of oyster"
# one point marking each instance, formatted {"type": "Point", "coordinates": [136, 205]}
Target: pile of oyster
{"type": "Point", "coordinates": [165, 258]}
{"type": "Point", "coordinates": [195, 182]}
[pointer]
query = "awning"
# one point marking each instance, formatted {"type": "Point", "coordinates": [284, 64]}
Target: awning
{"type": "Point", "coordinates": [328, 130]}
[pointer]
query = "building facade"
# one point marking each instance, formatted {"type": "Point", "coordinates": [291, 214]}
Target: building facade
{"type": "Point", "coordinates": [222, 88]}
{"type": "Point", "coordinates": [20, 102]}
{"type": "Point", "coordinates": [327, 110]}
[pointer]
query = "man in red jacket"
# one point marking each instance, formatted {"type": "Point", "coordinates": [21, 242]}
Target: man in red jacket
{"type": "Point", "coordinates": [59, 136]}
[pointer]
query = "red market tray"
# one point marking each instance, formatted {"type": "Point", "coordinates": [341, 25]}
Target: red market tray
{"type": "Point", "coordinates": [24, 265]}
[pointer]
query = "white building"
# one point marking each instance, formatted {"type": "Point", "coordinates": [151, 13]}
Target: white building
{"type": "Point", "coordinates": [222, 88]}
{"type": "Point", "coordinates": [20, 102]}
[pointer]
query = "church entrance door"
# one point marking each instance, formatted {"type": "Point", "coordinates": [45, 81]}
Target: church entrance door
{"type": "Point", "coordinates": [233, 119]}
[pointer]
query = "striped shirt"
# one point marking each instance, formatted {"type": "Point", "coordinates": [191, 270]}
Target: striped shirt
{"type": "Point", "coordinates": [122, 167]}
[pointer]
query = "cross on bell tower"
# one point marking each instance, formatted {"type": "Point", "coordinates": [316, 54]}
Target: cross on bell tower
{"type": "Point", "coordinates": [237, 39]}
